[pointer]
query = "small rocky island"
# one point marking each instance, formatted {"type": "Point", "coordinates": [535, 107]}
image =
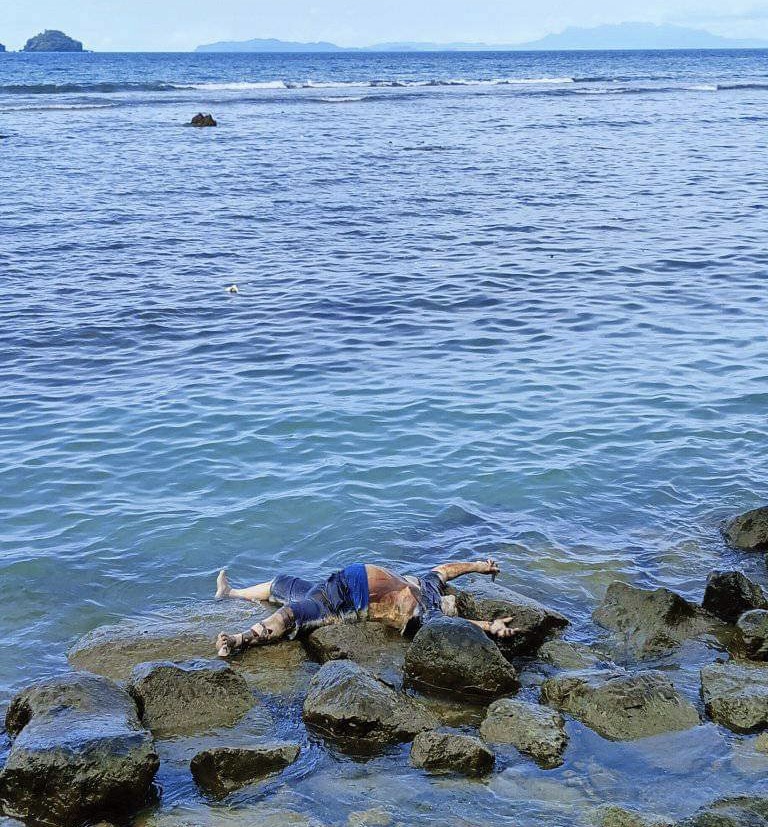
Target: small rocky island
{"type": "Point", "coordinates": [2, 48]}
{"type": "Point", "coordinates": [52, 40]}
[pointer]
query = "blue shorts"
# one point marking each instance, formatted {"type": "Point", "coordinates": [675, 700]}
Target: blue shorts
{"type": "Point", "coordinates": [343, 594]}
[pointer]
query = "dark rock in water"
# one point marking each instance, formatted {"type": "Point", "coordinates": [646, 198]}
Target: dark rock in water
{"type": "Point", "coordinates": [2, 48]}
{"type": "Point", "coordinates": [652, 621]}
{"type": "Point", "coordinates": [52, 40]}
{"type": "Point", "coordinates": [489, 601]}
{"type": "Point", "coordinates": [373, 645]}
{"type": "Point", "coordinates": [452, 655]}
{"type": "Point", "coordinates": [730, 593]}
{"type": "Point", "coordinates": [736, 694]}
{"type": "Point", "coordinates": [78, 752]}
{"type": "Point", "coordinates": [753, 627]}
{"type": "Point", "coordinates": [203, 120]}
{"type": "Point", "coordinates": [533, 729]}
{"type": "Point", "coordinates": [731, 812]}
{"type": "Point", "coordinates": [348, 701]}
{"type": "Point", "coordinates": [612, 816]}
{"type": "Point", "coordinates": [621, 707]}
{"type": "Point", "coordinates": [223, 770]}
{"type": "Point", "coordinates": [183, 698]}
{"type": "Point", "coordinates": [749, 531]}
{"type": "Point", "coordinates": [451, 752]}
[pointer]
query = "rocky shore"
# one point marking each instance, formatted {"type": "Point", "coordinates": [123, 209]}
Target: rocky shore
{"type": "Point", "coordinates": [88, 745]}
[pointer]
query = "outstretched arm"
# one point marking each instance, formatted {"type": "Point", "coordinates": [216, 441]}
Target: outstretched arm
{"type": "Point", "coordinates": [499, 628]}
{"type": "Point", "coordinates": [450, 571]}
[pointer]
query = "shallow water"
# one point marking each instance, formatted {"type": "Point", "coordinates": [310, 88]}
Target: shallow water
{"type": "Point", "coordinates": [518, 319]}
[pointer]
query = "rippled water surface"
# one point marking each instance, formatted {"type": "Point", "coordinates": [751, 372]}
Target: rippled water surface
{"type": "Point", "coordinates": [509, 305]}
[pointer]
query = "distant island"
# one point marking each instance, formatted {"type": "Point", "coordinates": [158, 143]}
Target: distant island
{"type": "Point", "coordinates": [52, 41]}
{"type": "Point", "coordinates": [624, 36]}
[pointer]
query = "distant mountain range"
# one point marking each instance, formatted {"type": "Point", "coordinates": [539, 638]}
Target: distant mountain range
{"type": "Point", "coordinates": [622, 36]}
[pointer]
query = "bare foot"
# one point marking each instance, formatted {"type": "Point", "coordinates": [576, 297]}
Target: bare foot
{"type": "Point", "coordinates": [222, 585]}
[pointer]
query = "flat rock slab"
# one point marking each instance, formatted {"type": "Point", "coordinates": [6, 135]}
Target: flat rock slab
{"type": "Point", "coordinates": [621, 707]}
{"type": "Point", "coordinates": [451, 655]}
{"type": "Point", "coordinates": [736, 694]}
{"type": "Point", "coordinates": [612, 816]}
{"type": "Point", "coordinates": [485, 600]}
{"type": "Point", "coordinates": [79, 752]}
{"type": "Point", "coordinates": [224, 770]}
{"type": "Point", "coordinates": [652, 621]}
{"type": "Point", "coordinates": [749, 531]}
{"type": "Point", "coordinates": [533, 729]}
{"type": "Point", "coordinates": [563, 654]}
{"type": "Point", "coordinates": [373, 645]}
{"type": "Point", "coordinates": [439, 751]}
{"type": "Point", "coordinates": [350, 702]}
{"type": "Point", "coordinates": [184, 698]}
{"type": "Point", "coordinates": [731, 812]}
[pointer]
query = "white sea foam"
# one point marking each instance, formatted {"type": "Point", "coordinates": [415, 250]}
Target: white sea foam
{"type": "Point", "coordinates": [237, 87]}
{"type": "Point", "coordinates": [703, 87]}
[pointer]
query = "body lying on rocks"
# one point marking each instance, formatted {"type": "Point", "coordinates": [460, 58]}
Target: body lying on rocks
{"type": "Point", "coordinates": [357, 592]}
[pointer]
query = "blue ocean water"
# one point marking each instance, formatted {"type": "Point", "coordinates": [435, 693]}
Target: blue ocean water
{"type": "Point", "coordinates": [489, 304]}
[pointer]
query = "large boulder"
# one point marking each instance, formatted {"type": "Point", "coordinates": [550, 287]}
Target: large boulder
{"type": "Point", "coordinates": [753, 629]}
{"type": "Point", "coordinates": [223, 770]}
{"type": "Point", "coordinates": [749, 531]}
{"type": "Point", "coordinates": [731, 812]}
{"type": "Point", "coordinates": [202, 120]}
{"type": "Point", "coordinates": [452, 655]}
{"type": "Point", "coordinates": [184, 698]}
{"type": "Point", "coordinates": [348, 701]}
{"type": "Point", "coordinates": [619, 706]}
{"type": "Point", "coordinates": [736, 694]}
{"type": "Point", "coordinates": [652, 621]}
{"type": "Point", "coordinates": [451, 752]}
{"type": "Point", "coordinates": [486, 600]}
{"type": "Point", "coordinates": [730, 593]}
{"type": "Point", "coordinates": [52, 40]}
{"type": "Point", "coordinates": [533, 729]}
{"type": "Point", "coordinates": [78, 752]}
{"type": "Point", "coordinates": [373, 645]}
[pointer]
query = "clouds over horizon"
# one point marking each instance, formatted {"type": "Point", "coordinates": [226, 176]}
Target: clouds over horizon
{"type": "Point", "coordinates": [182, 24]}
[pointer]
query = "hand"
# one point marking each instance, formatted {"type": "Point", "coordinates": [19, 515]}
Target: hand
{"type": "Point", "coordinates": [501, 628]}
{"type": "Point", "coordinates": [488, 566]}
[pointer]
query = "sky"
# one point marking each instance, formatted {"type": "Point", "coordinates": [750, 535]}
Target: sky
{"type": "Point", "coordinates": [180, 25]}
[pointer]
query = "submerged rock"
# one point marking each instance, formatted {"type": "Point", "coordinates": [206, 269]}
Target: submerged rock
{"type": "Point", "coordinates": [183, 698]}
{"type": "Point", "coordinates": [736, 694]}
{"type": "Point", "coordinates": [533, 729]}
{"type": "Point", "coordinates": [451, 752]}
{"type": "Point", "coordinates": [749, 531]}
{"type": "Point", "coordinates": [78, 752]}
{"type": "Point", "coordinates": [348, 701]}
{"type": "Point", "coordinates": [613, 816]}
{"type": "Point", "coordinates": [203, 120]}
{"type": "Point", "coordinates": [731, 812]}
{"type": "Point", "coordinates": [753, 628]}
{"type": "Point", "coordinates": [452, 655]}
{"type": "Point", "coordinates": [730, 593]}
{"type": "Point", "coordinates": [489, 601]}
{"type": "Point", "coordinates": [52, 40]}
{"type": "Point", "coordinates": [652, 621]}
{"type": "Point", "coordinates": [223, 770]}
{"type": "Point", "coordinates": [621, 707]}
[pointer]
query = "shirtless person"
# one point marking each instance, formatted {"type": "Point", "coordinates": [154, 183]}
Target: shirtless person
{"type": "Point", "coordinates": [358, 592]}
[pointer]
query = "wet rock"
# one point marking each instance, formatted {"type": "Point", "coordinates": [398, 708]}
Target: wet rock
{"type": "Point", "coordinates": [488, 601]}
{"type": "Point", "coordinates": [736, 694]}
{"type": "Point", "coordinates": [202, 120]}
{"type": "Point", "coordinates": [565, 655]}
{"type": "Point", "coordinates": [183, 698]}
{"type": "Point", "coordinates": [52, 40]}
{"type": "Point", "coordinates": [376, 817]}
{"type": "Point", "coordinates": [533, 729]}
{"type": "Point", "coordinates": [451, 655]}
{"type": "Point", "coordinates": [451, 752]}
{"type": "Point", "coordinates": [348, 701]}
{"type": "Point", "coordinates": [78, 752]}
{"type": "Point", "coordinates": [749, 531]}
{"type": "Point", "coordinates": [730, 593]}
{"type": "Point", "coordinates": [731, 812]}
{"type": "Point", "coordinates": [619, 706]}
{"type": "Point", "coordinates": [652, 621]}
{"type": "Point", "coordinates": [223, 770]}
{"type": "Point", "coordinates": [753, 628]}
{"type": "Point", "coordinates": [613, 816]}
{"type": "Point", "coordinates": [373, 645]}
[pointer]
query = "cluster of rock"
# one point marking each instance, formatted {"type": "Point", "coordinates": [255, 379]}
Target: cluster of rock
{"type": "Point", "coordinates": [86, 745]}
{"type": "Point", "coordinates": [202, 120]}
{"type": "Point", "coordinates": [52, 40]}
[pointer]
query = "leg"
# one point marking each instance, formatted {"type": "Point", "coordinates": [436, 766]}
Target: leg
{"type": "Point", "coordinates": [269, 630]}
{"type": "Point", "coordinates": [253, 593]}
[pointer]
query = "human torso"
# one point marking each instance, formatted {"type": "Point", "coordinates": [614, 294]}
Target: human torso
{"type": "Point", "coordinates": [393, 601]}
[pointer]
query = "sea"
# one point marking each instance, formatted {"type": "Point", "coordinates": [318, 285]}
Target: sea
{"type": "Point", "coordinates": [506, 305]}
